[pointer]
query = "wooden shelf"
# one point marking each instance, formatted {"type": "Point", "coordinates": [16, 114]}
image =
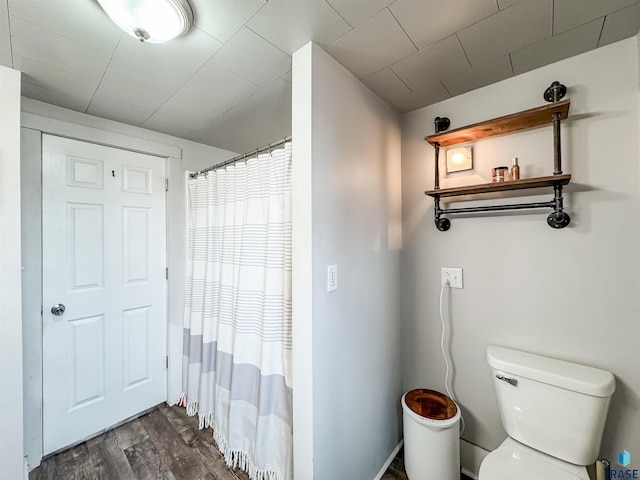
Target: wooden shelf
{"type": "Point", "coordinates": [501, 186]}
{"type": "Point", "coordinates": [498, 126]}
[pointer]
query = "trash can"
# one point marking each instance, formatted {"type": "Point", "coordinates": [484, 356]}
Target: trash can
{"type": "Point", "coordinates": [431, 435]}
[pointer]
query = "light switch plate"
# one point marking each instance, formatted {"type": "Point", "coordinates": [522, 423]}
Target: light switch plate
{"type": "Point", "coordinates": [332, 278]}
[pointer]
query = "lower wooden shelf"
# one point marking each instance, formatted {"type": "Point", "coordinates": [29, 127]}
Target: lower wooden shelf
{"type": "Point", "coordinates": [522, 184]}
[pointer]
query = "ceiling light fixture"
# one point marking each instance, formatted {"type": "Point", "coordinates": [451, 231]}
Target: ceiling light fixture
{"type": "Point", "coordinates": [153, 21]}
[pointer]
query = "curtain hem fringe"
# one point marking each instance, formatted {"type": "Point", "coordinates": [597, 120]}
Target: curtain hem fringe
{"type": "Point", "coordinates": [233, 458]}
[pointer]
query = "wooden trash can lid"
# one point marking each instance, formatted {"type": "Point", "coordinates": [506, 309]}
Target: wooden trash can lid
{"type": "Point", "coordinates": [430, 404]}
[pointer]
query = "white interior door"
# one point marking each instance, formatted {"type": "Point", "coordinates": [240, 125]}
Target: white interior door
{"type": "Point", "coordinates": [104, 260]}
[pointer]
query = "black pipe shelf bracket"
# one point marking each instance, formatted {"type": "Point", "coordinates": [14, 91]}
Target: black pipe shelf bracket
{"type": "Point", "coordinates": [553, 113]}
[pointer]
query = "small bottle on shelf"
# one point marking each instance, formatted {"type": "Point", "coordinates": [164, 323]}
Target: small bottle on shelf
{"type": "Point", "coordinates": [515, 169]}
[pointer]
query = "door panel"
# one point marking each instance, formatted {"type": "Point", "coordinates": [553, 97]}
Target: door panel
{"type": "Point", "coordinates": [104, 259]}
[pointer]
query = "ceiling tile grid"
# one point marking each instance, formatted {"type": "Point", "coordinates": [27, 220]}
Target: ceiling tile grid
{"type": "Point", "coordinates": [291, 25]}
{"type": "Point", "coordinates": [227, 82]}
{"type": "Point", "coordinates": [62, 17]}
{"type": "Point", "coordinates": [129, 91]}
{"type": "Point", "coordinates": [524, 23]}
{"type": "Point", "coordinates": [479, 76]}
{"type": "Point", "coordinates": [253, 58]}
{"type": "Point", "coordinates": [373, 45]}
{"type": "Point", "coordinates": [433, 63]}
{"type": "Point", "coordinates": [357, 11]}
{"type": "Point", "coordinates": [569, 14]}
{"type": "Point", "coordinates": [620, 25]}
{"type": "Point", "coordinates": [429, 21]}
{"type": "Point", "coordinates": [567, 44]}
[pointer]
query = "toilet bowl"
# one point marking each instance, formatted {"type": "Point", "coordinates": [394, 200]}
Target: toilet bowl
{"type": "Point", "coordinates": [554, 413]}
{"type": "Point", "coordinates": [514, 461]}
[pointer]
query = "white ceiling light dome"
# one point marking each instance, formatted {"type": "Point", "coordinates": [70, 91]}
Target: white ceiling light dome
{"type": "Point", "coordinates": [153, 21]}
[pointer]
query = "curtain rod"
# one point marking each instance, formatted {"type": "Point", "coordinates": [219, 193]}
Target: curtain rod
{"type": "Point", "coordinates": [240, 157]}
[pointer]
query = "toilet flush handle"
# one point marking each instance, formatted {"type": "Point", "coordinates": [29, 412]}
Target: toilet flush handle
{"type": "Point", "coordinates": [511, 381]}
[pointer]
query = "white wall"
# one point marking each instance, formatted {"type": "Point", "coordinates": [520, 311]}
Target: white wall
{"type": "Point", "coordinates": [11, 416]}
{"type": "Point", "coordinates": [181, 156]}
{"type": "Point", "coordinates": [571, 293]}
{"type": "Point", "coordinates": [347, 177]}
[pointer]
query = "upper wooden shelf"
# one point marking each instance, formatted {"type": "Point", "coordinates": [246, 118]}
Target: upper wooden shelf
{"type": "Point", "coordinates": [509, 123]}
{"type": "Point", "coordinates": [537, 182]}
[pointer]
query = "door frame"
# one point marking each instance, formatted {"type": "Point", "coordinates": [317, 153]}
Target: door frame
{"type": "Point", "coordinates": [32, 128]}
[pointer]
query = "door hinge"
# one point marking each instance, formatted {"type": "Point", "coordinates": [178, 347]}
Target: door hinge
{"type": "Point", "coordinates": [166, 361]}
{"type": "Point", "coordinates": [166, 184]}
{"type": "Point", "coordinates": [166, 273]}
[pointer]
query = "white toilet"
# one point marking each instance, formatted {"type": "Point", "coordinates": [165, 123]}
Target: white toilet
{"type": "Point", "coordinates": [554, 413]}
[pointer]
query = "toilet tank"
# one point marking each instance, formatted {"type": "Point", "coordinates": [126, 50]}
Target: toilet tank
{"type": "Point", "coordinates": [557, 407]}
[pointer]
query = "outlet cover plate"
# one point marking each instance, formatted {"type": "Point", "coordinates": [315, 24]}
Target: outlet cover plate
{"type": "Point", "coordinates": [453, 275]}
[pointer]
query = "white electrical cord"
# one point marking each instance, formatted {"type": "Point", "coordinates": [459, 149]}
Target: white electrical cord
{"type": "Point", "coordinates": [444, 355]}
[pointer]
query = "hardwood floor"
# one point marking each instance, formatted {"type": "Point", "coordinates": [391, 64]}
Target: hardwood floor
{"type": "Point", "coordinates": [396, 469]}
{"type": "Point", "coordinates": [164, 444]}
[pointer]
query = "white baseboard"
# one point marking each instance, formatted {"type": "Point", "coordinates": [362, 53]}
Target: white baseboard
{"type": "Point", "coordinates": [389, 460]}
{"type": "Point", "coordinates": [471, 457]}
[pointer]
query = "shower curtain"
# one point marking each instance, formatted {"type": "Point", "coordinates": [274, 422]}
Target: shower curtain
{"type": "Point", "coordinates": [237, 324]}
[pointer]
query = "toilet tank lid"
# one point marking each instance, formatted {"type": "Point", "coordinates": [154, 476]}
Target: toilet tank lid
{"type": "Point", "coordinates": [568, 375]}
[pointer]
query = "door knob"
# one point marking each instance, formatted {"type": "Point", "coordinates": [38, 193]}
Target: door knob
{"type": "Point", "coordinates": [58, 309]}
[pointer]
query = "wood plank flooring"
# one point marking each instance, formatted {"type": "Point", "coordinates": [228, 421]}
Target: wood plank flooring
{"type": "Point", "coordinates": [396, 469]}
{"type": "Point", "coordinates": [164, 444]}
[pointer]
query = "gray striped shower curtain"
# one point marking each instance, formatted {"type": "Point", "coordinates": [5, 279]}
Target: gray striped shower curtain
{"type": "Point", "coordinates": [237, 325]}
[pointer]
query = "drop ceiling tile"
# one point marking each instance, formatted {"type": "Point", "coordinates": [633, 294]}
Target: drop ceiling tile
{"type": "Point", "coordinates": [221, 84]}
{"type": "Point", "coordinates": [196, 103]}
{"type": "Point", "coordinates": [571, 13]}
{"type": "Point", "coordinates": [42, 76]}
{"type": "Point", "coordinates": [253, 58]}
{"type": "Point", "coordinates": [288, 77]}
{"type": "Point", "coordinates": [276, 96]}
{"type": "Point", "coordinates": [5, 51]}
{"type": "Point", "coordinates": [357, 11]}
{"type": "Point", "coordinates": [433, 63]}
{"type": "Point", "coordinates": [479, 76]}
{"type": "Point", "coordinates": [158, 72]}
{"type": "Point", "coordinates": [239, 144]}
{"type": "Point", "coordinates": [253, 113]}
{"type": "Point", "coordinates": [114, 109]}
{"type": "Point", "coordinates": [174, 130]}
{"type": "Point", "coordinates": [5, 38]}
{"type": "Point", "coordinates": [44, 46]}
{"type": "Point", "coordinates": [223, 18]}
{"type": "Point", "coordinates": [620, 25]}
{"type": "Point", "coordinates": [572, 42]}
{"type": "Point", "coordinates": [130, 92]}
{"type": "Point", "coordinates": [267, 134]}
{"type": "Point", "coordinates": [82, 22]}
{"type": "Point", "coordinates": [173, 121]}
{"type": "Point", "coordinates": [291, 25]}
{"type": "Point", "coordinates": [372, 45]}
{"type": "Point", "coordinates": [386, 84]}
{"type": "Point", "coordinates": [189, 52]}
{"type": "Point", "coordinates": [62, 98]}
{"type": "Point", "coordinates": [502, 4]}
{"type": "Point", "coordinates": [522, 24]}
{"type": "Point", "coordinates": [428, 21]}
{"type": "Point", "coordinates": [219, 130]}
{"type": "Point", "coordinates": [428, 95]}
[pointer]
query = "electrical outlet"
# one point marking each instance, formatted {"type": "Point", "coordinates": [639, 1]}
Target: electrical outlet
{"type": "Point", "coordinates": [332, 278]}
{"type": "Point", "coordinates": [453, 275]}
